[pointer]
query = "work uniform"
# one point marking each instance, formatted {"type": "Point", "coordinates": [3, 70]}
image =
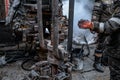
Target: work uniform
{"type": "Point", "coordinates": [101, 13]}
{"type": "Point", "coordinates": [112, 28]}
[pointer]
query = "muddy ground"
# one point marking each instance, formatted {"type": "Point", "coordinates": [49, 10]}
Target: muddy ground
{"type": "Point", "coordinates": [14, 71]}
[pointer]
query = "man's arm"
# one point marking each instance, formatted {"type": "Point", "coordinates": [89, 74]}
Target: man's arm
{"type": "Point", "coordinates": [107, 27]}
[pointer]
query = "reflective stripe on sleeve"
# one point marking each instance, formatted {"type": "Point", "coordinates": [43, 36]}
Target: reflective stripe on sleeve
{"type": "Point", "coordinates": [101, 27]}
{"type": "Point", "coordinates": [117, 20]}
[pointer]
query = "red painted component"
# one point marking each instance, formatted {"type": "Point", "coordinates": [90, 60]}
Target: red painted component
{"type": "Point", "coordinates": [7, 3]}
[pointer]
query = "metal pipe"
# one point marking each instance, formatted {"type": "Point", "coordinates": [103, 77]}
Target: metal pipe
{"type": "Point", "coordinates": [55, 26]}
{"type": "Point", "coordinates": [55, 33]}
{"type": "Point", "coordinates": [40, 23]}
{"type": "Point", "coordinates": [70, 28]}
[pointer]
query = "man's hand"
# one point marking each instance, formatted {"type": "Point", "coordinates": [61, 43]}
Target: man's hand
{"type": "Point", "coordinates": [85, 24]}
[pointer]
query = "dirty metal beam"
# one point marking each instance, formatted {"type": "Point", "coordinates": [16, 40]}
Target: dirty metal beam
{"type": "Point", "coordinates": [40, 23]}
{"type": "Point", "coordinates": [55, 25]}
{"type": "Point", "coordinates": [70, 28]}
{"type": "Point", "coordinates": [55, 33]}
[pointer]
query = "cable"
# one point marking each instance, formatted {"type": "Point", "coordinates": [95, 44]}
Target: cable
{"type": "Point", "coordinates": [87, 46]}
{"type": "Point", "coordinates": [23, 63]}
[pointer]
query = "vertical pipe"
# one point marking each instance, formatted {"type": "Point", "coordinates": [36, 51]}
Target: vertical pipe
{"type": "Point", "coordinates": [70, 28]}
{"type": "Point", "coordinates": [55, 26]}
{"type": "Point", "coordinates": [55, 33]}
{"type": "Point", "coordinates": [40, 23]}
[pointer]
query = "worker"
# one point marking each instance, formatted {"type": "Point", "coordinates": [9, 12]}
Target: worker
{"type": "Point", "coordinates": [102, 11]}
{"type": "Point", "coordinates": [111, 28]}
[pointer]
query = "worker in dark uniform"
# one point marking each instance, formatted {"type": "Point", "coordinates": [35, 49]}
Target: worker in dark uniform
{"type": "Point", "coordinates": [102, 12]}
{"type": "Point", "coordinates": [111, 28]}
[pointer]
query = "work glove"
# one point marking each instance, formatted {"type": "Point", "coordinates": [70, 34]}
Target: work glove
{"type": "Point", "coordinates": [85, 24]}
